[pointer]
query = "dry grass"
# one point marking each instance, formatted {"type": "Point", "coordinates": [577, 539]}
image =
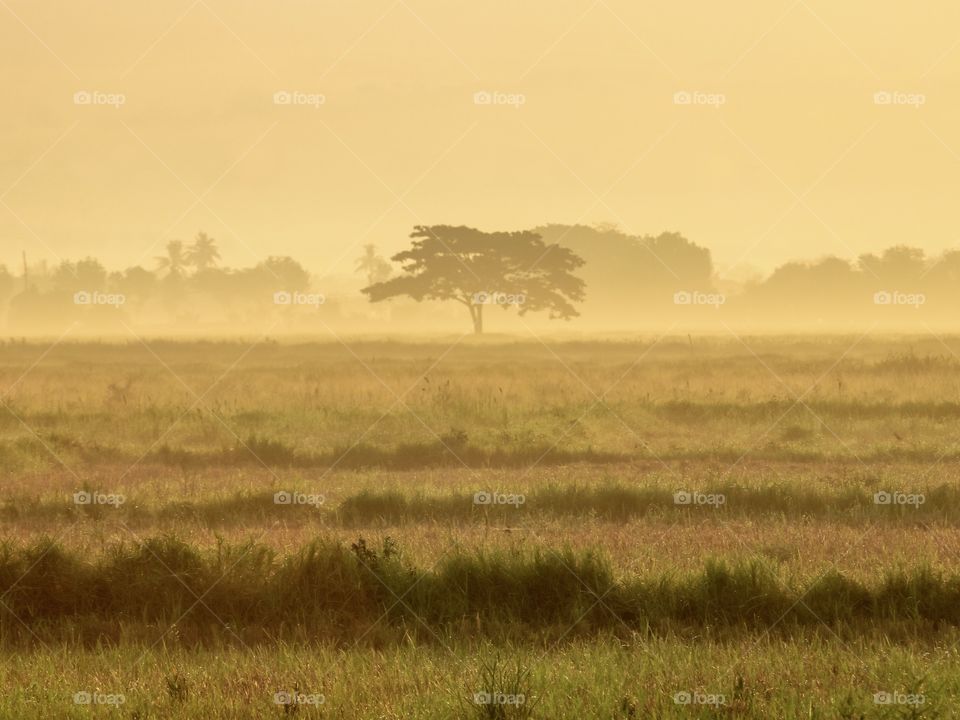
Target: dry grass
{"type": "Point", "coordinates": [397, 438]}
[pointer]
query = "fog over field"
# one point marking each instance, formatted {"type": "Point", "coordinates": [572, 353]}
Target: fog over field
{"type": "Point", "coordinates": [416, 359]}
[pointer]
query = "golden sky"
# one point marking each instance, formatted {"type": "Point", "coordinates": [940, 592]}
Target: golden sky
{"type": "Point", "coordinates": [784, 150]}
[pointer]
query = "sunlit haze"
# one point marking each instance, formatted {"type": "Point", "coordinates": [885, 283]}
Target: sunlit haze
{"type": "Point", "coordinates": [797, 160]}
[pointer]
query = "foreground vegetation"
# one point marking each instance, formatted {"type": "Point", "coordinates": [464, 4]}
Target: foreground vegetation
{"type": "Point", "coordinates": [813, 676]}
{"type": "Point", "coordinates": [331, 592]}
{"type": "Point", "coordinates": [674, 528]}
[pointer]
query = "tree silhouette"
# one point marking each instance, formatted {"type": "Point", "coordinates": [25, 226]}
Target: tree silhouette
{"type": "Point", "coordinates": [137, 284]}
{"type": "Point", "coordinates": [900, 266]}
{"type": "Point", "coordinates": [175, 261]}
{"type": "Point", "coordinates": [633, 278]}
{"type": "Point", "coordinates": [87, 274]}
{"type": "Point", "coordinates": [800, 293]}
{"type": "Point", "coordinates": [283, 273]}
{"type": "Point", "coordinates": [203, 253]}
{"type": "Point", "coordinates": [373, 265]}
{"type": "Point", "coordinates": [475, 269]}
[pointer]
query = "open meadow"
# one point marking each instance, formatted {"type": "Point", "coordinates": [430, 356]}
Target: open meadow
{"type": "Point", "coordinates": [430, 360]}
{"type": "Point", "coordinates": [669, 527]}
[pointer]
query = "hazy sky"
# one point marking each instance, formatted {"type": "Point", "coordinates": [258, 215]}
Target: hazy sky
{"type": "Point", "coordinates": [783, 151]}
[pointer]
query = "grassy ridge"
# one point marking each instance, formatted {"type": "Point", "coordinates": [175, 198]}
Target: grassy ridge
{"type": "Point", "coordinates": [328, 590]}
{"type": "Point", "coordinates": [612, 502]}
{"type": "Point", "coordinates": [624, 503]}
{"type": "Point", "coordinates": [793, 446]}
{"type": "Point", "coordinates": [254, 451]}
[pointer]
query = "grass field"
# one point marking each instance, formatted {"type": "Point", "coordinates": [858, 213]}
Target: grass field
{"type": "Point", "coordinates": [676, 528]}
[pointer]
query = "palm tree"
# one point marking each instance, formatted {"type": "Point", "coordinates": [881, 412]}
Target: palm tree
{"type": "Point", "coordinates": [203, 254]}
{"type": "Point", "coordinates": [372, 264]}
{"type": "Point", "coordinates": [175, 261]}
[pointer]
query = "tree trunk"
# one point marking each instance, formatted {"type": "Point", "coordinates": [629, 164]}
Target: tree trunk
{"type": "Point", "coordinates": [476, 314]}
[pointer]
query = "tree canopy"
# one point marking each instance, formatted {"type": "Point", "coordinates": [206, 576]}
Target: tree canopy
{"type": "Point", "coordinates": [474, 268]}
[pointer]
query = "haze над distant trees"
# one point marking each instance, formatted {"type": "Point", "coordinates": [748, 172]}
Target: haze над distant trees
{"type": "Point", "coordinates": [634, 282]}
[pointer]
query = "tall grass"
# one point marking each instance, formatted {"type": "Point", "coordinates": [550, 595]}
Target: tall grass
{"type": "Point", "coordinates": [328, 590]}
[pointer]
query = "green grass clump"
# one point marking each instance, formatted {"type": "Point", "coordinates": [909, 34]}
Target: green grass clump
{"type": "Point", "coordinates": [330, 590]}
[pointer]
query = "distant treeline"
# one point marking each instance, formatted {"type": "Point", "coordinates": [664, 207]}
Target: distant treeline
{"type": "Point", "coordinates": [665, 279]}
{"type": "Point", "coordinates": [186, 287]}
{"type": "Point", "coordinates": [632, 282]}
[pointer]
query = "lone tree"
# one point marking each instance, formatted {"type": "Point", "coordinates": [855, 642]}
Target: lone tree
{"type": "Point", "coordinates": [476, 269]}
